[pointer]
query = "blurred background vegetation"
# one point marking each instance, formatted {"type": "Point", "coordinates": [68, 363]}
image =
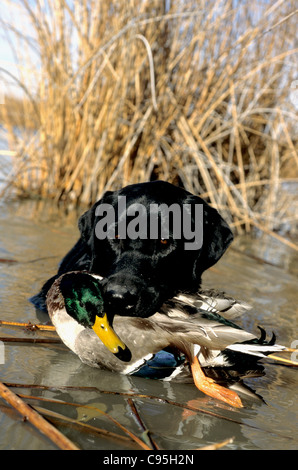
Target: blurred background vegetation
{"type": "Point", "coordinates": [199, 93]}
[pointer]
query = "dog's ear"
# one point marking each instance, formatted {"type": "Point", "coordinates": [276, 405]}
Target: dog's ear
{"type": "Point", "coordinates": [217, 236]}
{"type": "Point", "coordinates": [87, 220]}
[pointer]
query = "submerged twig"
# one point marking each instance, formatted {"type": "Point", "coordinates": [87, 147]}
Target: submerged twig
{"type": "Point", "coordinates": [146, 433]}
{"type": "Point", "coordinates": [11, 339]}
{"type": "Point", "coordinates": [185, 406]}
{"type": "Point", "coordinates": [84, 427]}
{"type": "Point", "coordinates": [136, 439]}
{"type": "Point", "coordinates": [36, 419]}
{"type": "Point", "coordinates": [55, 417]}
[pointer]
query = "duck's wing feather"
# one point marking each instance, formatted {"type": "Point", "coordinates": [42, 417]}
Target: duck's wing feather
{"type": "Point", "coordinates": [214, 301]}
{"type": "Point", "coordinates": [206, 329]}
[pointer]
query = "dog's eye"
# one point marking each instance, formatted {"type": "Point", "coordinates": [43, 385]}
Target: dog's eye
{"type": "Point", "coordinates": [117, 237]}
{"type": "Point", "coordinates": [164, 241]}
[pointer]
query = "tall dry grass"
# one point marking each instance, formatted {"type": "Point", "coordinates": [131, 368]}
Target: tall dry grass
{"type": "Point", "coordinates": [194, 92]}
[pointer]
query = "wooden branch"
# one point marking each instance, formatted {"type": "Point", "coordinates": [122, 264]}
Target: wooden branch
{"type": "Point", "coordinates": [12, 339]}
{"type": "Point", "coordinates": [30, 326]}
{"type": "Point", "coordinates": [36, 419]}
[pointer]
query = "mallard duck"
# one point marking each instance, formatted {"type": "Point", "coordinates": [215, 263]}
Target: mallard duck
{"type": "Point", "coordinates": [190, 332]}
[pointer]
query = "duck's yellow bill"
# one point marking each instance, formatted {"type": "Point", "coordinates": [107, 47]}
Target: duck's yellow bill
{"type": "Point", "coordinates": [109, 338]}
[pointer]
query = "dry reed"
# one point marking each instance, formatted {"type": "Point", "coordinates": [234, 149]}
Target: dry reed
{"type": "Point", "coordinates": [197, 93]}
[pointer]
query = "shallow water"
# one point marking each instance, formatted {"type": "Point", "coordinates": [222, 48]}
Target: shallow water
{"type": "Point", "coordinates": [35, 237]}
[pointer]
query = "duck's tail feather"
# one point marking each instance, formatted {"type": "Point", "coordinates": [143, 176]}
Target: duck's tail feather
{"type": "Point", "coordinates": [255, 350]}
{"type": "Point", "coordinates": [259, 346]}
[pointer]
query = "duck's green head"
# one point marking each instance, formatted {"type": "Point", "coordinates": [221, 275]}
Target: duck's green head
{"type": "Point", "coordinates": [84, 302]}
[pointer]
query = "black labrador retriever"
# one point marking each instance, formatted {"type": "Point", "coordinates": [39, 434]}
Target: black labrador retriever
{"type": "Point", "coordinates": [149, 241]}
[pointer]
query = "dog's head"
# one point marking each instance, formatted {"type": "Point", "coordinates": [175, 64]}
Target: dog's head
{"type": "Point", "coordinates": [150, 241]}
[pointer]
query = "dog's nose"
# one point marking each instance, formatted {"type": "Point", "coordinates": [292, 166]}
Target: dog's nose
{"type": "Point", "coordinates": [119, 300]}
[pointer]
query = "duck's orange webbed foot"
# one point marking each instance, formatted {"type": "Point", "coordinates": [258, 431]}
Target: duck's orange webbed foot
{"type": "Point", "coordinates": [209, 387]}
